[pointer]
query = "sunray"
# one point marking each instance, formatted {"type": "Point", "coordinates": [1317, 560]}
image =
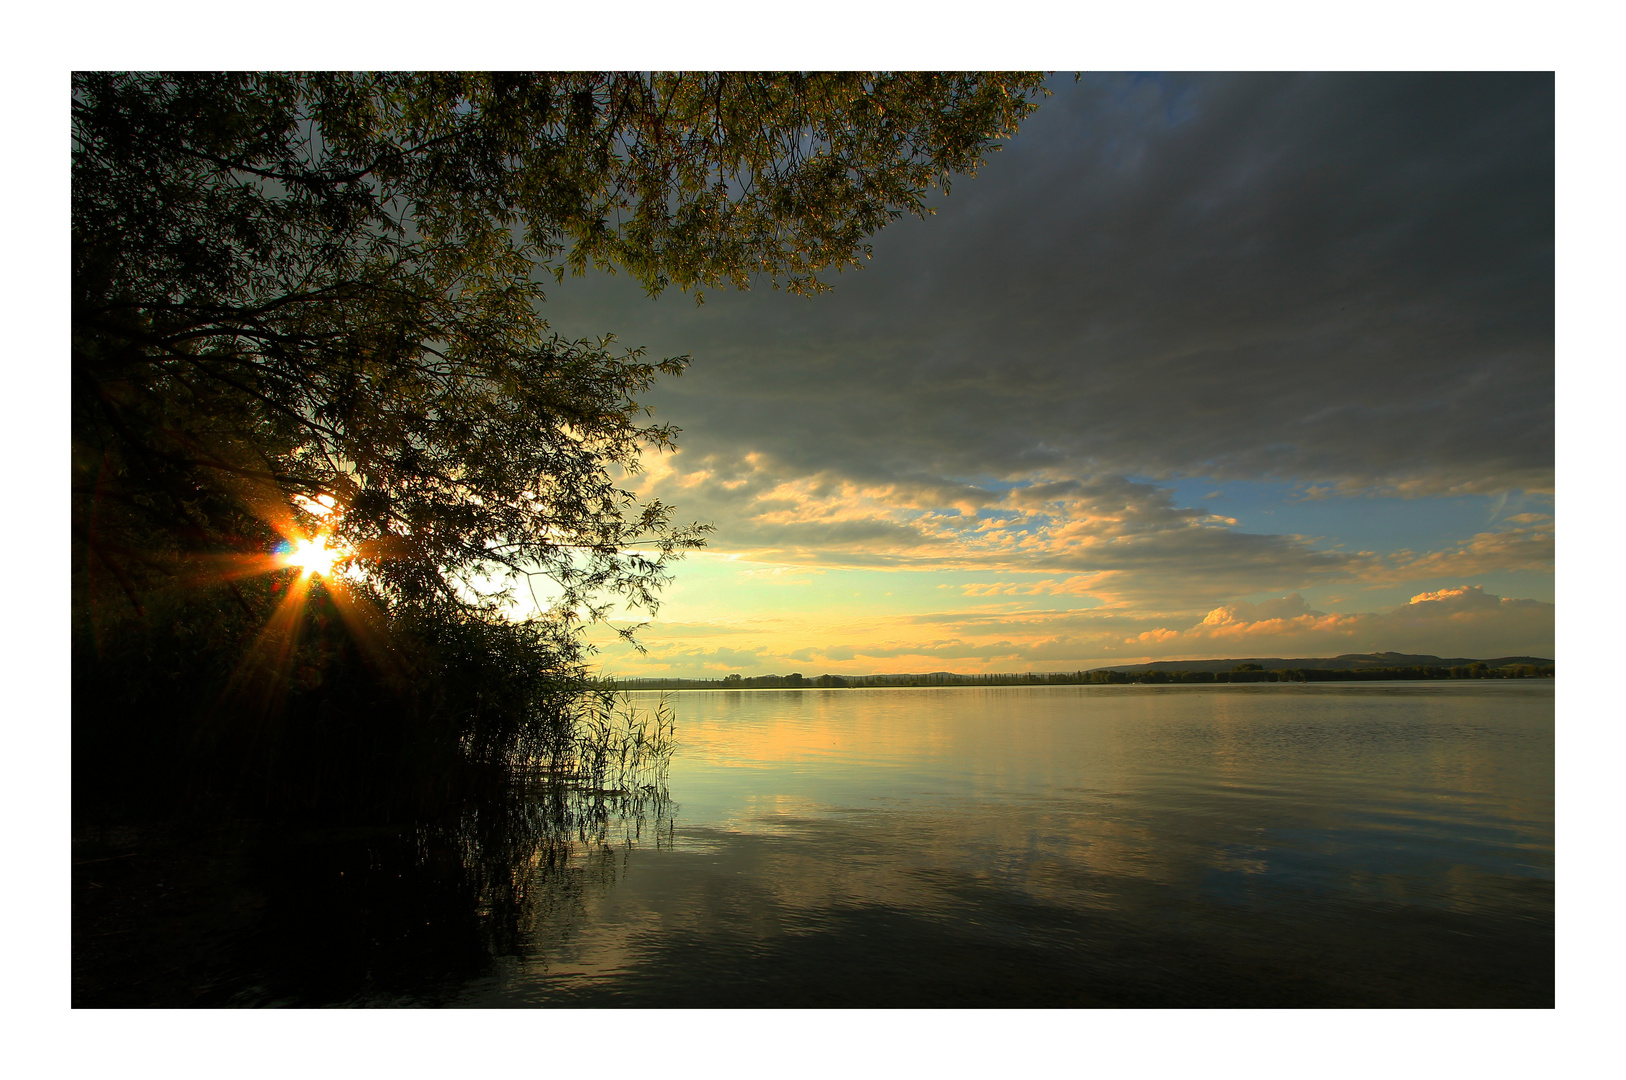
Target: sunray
{"type": "Point", "coordinates": [266, 665]}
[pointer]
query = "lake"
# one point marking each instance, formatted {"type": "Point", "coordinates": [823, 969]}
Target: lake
{"type": "Point", "coordinates": [1365, 844]}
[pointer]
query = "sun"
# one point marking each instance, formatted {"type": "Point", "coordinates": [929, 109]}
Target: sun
{"type": "Point", "coordinates": [312, 556]}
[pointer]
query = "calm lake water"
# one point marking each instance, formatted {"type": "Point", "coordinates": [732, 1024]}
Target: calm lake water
{"type": "Point", "coordinates": [1372, 844]}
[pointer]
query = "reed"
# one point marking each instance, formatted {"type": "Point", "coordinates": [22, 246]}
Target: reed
{"type": "Point", "coordinates": [190, 712]}
{"type": "Point", "coordinates": [616, 747]}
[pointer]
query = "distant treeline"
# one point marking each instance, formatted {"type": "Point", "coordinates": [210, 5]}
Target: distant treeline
{"type": "Point", "coordinates": [1253, 673]}
{"type": "Point", "coordinates": [1243, 673]}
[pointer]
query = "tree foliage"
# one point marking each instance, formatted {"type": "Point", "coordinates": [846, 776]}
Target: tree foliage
{"type": "Point", "coordinates": [330, 285]}
{"type": "Point", "coordinates": [293, 290]}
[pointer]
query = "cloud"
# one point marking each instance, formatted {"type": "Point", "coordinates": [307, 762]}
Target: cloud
{"type": "Point", "coordinates": [1119, 540]}
{"type": "Point", "coordinates": [1107, 537]}
{"type": "Point", "coordinates": [935, 651]}
{"type": "Point", "coordinates": [1344, 282]}
{"type": "Point", "coordinates": [1340, 279]}
{"type": "Point", "coordinates": [1529, 547]}
{"type": "Point", "coordinates": [1077, 585]}
{"type": "Point", "coordinates": [783, 572]}
{"type": "Point", "coordinates": [1245, 614]}
{"type": "Point", "coordinates": [1462, 621]}
{"type": "Point", "coordinates": [683, 660]}
{"type": "Point", "coordinates": [669, 630]}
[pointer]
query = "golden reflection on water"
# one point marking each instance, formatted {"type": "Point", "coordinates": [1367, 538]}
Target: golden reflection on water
{"type": "Point", "coordinates": [1086, 822]}
{"type": "Point", "coordinates": [1079, 773]}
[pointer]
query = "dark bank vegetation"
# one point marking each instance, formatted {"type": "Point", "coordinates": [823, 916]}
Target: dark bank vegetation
{"type": "Point", "coordinates": [215, 914]}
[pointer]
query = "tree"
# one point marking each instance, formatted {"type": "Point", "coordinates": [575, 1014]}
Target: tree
{"type": "Point", "coordinates": [308, 294]}
{"type": "Point", "coordinates": [327, 285]}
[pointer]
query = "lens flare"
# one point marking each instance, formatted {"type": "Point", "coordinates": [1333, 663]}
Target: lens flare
{"type": "Point", "coordinates": [313, 556]}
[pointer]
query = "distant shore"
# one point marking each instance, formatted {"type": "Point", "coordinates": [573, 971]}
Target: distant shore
{"type": "Point", "coordinates": [1355, 667]}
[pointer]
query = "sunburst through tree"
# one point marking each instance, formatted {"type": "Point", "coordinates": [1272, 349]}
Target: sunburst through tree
{"type": "Point", "coordinates": [322, 431]}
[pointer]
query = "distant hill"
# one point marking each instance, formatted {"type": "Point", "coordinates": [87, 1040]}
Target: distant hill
{"type": "Point", "coordinates": [1346, 662]}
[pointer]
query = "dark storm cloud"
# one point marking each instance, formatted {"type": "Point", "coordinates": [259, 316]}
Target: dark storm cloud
{"type": "Point", "coordinates": [1332, 278]}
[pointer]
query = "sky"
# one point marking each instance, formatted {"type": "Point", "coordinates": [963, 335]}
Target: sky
{"type": "Point", "coordinates": [1196, 366]}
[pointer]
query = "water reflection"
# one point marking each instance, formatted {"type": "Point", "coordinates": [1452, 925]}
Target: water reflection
{"type": "Point", "coordinates": [1063, 846]}
{"type": "Point", "coordinates": [410, 916]}
{"type": "Point", "coordinates": [1060, 846]}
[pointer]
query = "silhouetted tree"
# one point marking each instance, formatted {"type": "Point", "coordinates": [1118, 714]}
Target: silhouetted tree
{"type": "Point", "coordinates": [293, 290]}
{"type": "Point", "coordinates": [328, 285]}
